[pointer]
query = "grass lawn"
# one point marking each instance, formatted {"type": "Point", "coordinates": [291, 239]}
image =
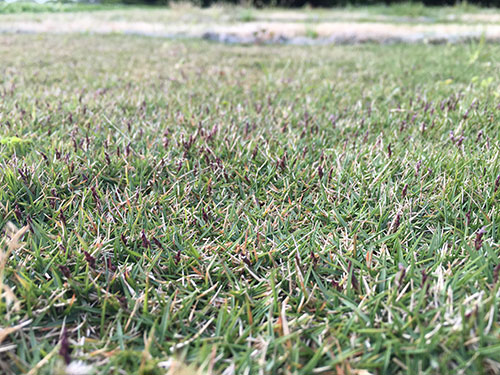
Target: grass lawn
{"type": "Point", "coordinates": [253, 210]}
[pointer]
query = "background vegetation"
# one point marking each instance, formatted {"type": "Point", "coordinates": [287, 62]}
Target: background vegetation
{"type": "Point", "coordinates": [402, 6]}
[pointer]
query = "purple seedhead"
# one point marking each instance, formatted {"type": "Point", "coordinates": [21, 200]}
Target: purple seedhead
{"type": "Point", "coordinates": [52, 199]}
{"type": "Point", "coordinates": [354, 280]}
{"type": "Point", "coordinates": [177, 257]}
{"type": "Point", "coordinates": [297, 259]}
{"type": "Point", "coordinates": [65, 350]}
{"type": "Point", "coordinates": [207, 156]}
{"type": "Point", "coordinates": [497, 183]}
{"type": "Point", "coordinates": [365, 136]}
{"type": "Point", "coordinates": [479, 238]}
{"type": "Point", "coordinates": [187, 145]}
{"type": "Point", "coordinates": [212, 133]}
{"type": "Point", "coordinates": [402, 126]}
{"type": "Point", "coordinates": [65, 271]}
{"type": "Point", "coordinates": [110, 265]}
{"type": "Point", "coordinates": [281, 163]}
{"type": "Point", "coordinates": [389, 151]}
{"type": "Point", "coordinates": [452, 136]}
{"type": "Point", "coordinates": [17, 212]}
{"type": "Point", "coordinates": [209, 188]}
{"type": "Point", "coordinates": [320, 171]}
{"type": "Point", "coordinates": [145, 242]}
{"type": "Point", "coordinates": [314, 258]}
{"type": "Point", "coordinates": [467, 217]}
{"type": "Point", "coordinates": [284, 128]}
{"type": "Point", "coordinates": [496, 270]}
{"type": "Point", "coordinates": [95, 195]}
{"type": "Point", "coordinates": [62, 218]}
{"type": "Point", "coordinates": [424, 277]}
{"type": "Point", "coordinates": [336, 285]}
{"type": "Point", "coordinates": [479, 135]}
{"type": "Point", "coordinates": [333, 120]}
{"type": "Point", "coordinates": [87, 141]}
{"type": "Point", "coordinates": [402, 275]}
{"type": "Point", "coordinates": [29, 220]}
{"type": "Point", "coordinates": [205, 216]}
{"type": "Point", "coordinates": [417, 167]}
{"type": "Point", "coordinates": [158, 243]}
{"type": "Point", "coordinates": [254, 152]}
{"type": "Point", "coordinates": [45, 158]}
{"type": "Point", "coordinates": [405, 189]}
{"type": "Point", "coordinates": [63, 248]}
{"type": "Point", "coordinates": [330, 173]}
{"type": "Point", "coordinates": [23, 172]}
{"type": "Point", "coordinates": [306, 118]}
{"type": "Point", "coordinates": [246, 260]}
{"type": "Point", "coordinates": [123, 302]}
{"type": "Point", "coordinates": [90, 259]}
{"type": "Point", "coordinates": [124, 239]}
{"type": "Point", "coordinates": [396, 222]}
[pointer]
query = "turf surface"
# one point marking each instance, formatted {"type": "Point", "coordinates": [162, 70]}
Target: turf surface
{"type": "Point", "coordinates": [254, 210]}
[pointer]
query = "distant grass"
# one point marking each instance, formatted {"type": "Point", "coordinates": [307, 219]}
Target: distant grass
{"type": "Point", "coordinates": [416, 9]}
{"type": "Point", "coordinates": [246, 15]}
{"type": "Point", "coordinates": [276, 210]}
{"type": "Point", "coordinates": [223, 13]}
{"type": "Point", "coordinates": [55, 7]}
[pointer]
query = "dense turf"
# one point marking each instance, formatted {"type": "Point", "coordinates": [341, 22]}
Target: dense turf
{"type": "Point", "coordinates": [285, 210]}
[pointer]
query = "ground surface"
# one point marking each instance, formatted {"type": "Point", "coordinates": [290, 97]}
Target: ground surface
{"type": "Point", "coordinates": [408, 23]}
{"type": "Point", "coordinates": [259, 209]}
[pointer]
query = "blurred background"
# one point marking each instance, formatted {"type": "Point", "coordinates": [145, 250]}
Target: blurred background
{"type": "Point", "coordinates": [410, 6]}
{"type": "Point", "coordinates": [299, 22]}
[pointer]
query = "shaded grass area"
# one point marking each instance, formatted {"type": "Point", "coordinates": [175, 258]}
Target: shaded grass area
{"type": "Point", "coordinates": [251, 209]}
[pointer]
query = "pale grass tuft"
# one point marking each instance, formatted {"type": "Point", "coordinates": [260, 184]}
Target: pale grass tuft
{"type": "Point", "coordinates": [11, 240]}
{"type": "Point", "coordinates": [78, 368]}
{"type": "Point", "coordinates": [176, 367]}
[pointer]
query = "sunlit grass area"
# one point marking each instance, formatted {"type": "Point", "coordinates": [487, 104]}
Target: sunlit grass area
{"type": "Point", "coordinates": [258, 209]}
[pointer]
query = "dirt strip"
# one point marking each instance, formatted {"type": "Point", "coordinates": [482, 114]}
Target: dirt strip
{"type": "Point", "coordinates": [263, 31]}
